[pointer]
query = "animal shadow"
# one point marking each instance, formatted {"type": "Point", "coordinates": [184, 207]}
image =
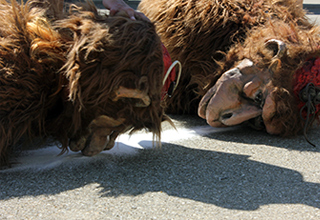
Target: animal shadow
{"type": "Point", "coordinates": [223, 179]}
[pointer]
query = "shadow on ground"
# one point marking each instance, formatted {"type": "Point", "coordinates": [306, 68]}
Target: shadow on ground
{"type": "Point", "coordinates": [227, 180]}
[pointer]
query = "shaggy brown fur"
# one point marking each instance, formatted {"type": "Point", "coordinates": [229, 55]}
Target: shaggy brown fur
{"type": "Point", "coordinates": [302, 43]}
{"type": "Point", "coordinates": [59, 75]}
{"type": "Point", "coordinates": [196, 31]}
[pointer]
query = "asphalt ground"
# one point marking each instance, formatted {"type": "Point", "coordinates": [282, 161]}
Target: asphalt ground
{"type": "Point", "coordinates": [199, 173]}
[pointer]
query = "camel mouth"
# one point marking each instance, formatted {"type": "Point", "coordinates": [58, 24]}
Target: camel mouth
{"type": "Point", "coordinates": [256, 123]}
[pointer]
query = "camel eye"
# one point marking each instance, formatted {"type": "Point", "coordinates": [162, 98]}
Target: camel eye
{"type": "Point", "coordinates": [258, 98]}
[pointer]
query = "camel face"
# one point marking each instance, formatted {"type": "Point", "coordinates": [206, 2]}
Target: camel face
{"type": "Point", "coordinates": [241, 94]}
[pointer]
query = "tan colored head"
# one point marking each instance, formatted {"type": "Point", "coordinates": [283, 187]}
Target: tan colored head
{"type": "Point", "coordinates": [244, 93]}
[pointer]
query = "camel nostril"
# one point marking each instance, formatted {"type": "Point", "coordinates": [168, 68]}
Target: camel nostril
{"type": "Point", "coordinates": [226, 116]}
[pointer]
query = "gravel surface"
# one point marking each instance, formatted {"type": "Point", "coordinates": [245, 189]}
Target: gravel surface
{"type": "Point", "coordinates": [210, 174]}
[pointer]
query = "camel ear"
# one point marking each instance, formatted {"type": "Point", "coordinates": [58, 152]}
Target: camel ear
{"type": "Point", "coordinates": [279, 48]}
{"type": "Point", "coordinates": [142, 98]}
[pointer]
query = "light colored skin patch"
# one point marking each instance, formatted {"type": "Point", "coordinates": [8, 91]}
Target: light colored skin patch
{"type": "Point", "coordinates": [241, 94]}
{"type": "Point", "coordinates": [123, 92]}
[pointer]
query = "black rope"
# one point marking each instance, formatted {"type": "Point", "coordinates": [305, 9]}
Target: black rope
{"type": "Point", "coordinates": [311, 96]}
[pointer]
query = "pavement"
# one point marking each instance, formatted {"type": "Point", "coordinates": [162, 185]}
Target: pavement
{"type": "Point", "coordinates": [198, 173]}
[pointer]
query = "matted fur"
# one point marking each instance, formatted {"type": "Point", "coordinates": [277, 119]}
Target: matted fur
{"type": "Point", "coordinates": [57, 75]}
{"type": "Point", "coordinates": [196, 31]}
